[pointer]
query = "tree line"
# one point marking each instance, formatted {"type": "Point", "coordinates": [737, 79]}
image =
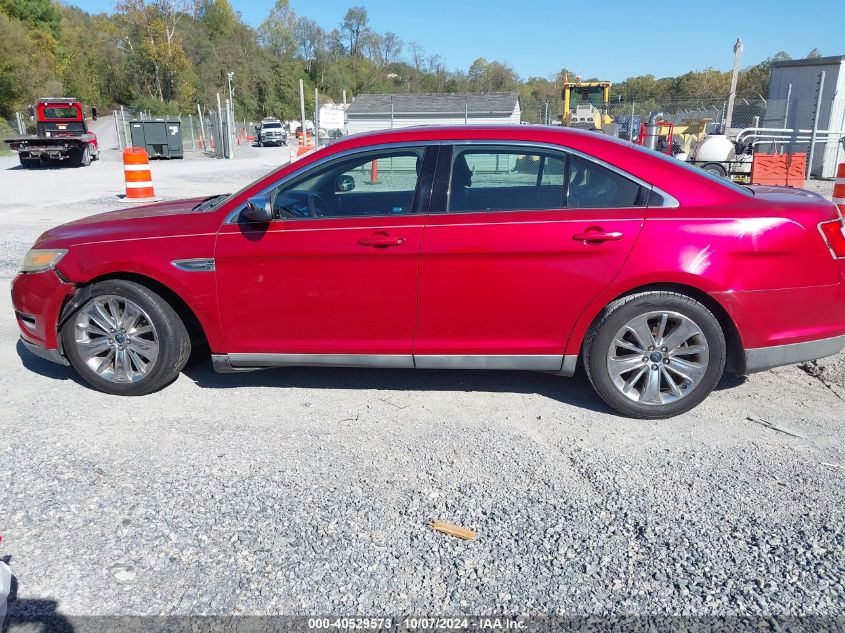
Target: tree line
{"type": "Point", "coordinates": [166, 56]}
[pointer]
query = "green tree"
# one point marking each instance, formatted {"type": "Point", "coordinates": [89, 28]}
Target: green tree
{"type": "Point", "coordinates": [279, 30]}
{"type": "Point", "coordinates": [42, 14]}
{"type": "Point", "coordinates": [354, 27]}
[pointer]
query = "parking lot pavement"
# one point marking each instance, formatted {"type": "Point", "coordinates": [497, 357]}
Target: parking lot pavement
{"type": "Point", "coordinates": [310, 490]}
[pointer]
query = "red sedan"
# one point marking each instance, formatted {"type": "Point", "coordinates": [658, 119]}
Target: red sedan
{"type": "Point", "coordinates": [463, 247]}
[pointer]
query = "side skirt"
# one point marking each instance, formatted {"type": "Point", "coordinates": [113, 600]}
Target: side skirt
{"type": "Point", "coordinates": [561, 365]}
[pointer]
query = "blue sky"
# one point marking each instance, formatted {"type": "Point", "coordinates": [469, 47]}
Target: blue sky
{"type": "Point", "coordinates": [609, 39]}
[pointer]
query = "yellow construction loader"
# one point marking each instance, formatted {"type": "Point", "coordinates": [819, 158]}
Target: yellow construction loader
{"type": "Point", "coordinates": [585, 104]}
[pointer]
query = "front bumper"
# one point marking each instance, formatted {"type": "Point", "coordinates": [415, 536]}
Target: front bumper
{"type": "Point", "coordinates": [38, 299]}
{"type": "Point", "coordinates": [53, 355]}
{"type": "Point", "coordinates": [762, 358]}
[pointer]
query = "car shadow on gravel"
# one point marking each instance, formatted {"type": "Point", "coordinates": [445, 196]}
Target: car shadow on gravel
{"type": "Point", "coordinates": [45, 368]}
{"type": "Point", "coordinates": [33, 615]}
{"type": "Point", "coordinates": [575, 391]}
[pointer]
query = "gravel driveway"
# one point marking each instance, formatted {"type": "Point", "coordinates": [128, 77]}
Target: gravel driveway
{"type": "Point", "coordinates": [303, 491]}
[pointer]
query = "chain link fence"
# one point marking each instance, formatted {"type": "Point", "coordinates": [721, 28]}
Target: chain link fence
{"type": "Point", "coordinates": [192, 127]}
{"type": "Point", "coordinates": [775, 126]}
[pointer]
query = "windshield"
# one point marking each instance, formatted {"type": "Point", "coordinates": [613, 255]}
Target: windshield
{"type": "Point", "coordinates": [593, 96]}
{"type": "Point", "coordinates": [267, 126]}
{"type": "Point", "coordinates": [227, 197]}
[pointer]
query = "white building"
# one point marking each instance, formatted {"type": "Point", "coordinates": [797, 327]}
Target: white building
{"type": "Point", "coordinates": [793, 91]}
{"type": "Point", "coordinates": [370, 112]}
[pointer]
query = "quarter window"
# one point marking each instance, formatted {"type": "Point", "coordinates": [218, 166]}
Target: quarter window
{"type": "Point", "coordinates": [367, 184]}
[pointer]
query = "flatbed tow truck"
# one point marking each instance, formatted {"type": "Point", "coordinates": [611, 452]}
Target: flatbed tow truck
{"type": "Point", "coordinates": [61, 135]}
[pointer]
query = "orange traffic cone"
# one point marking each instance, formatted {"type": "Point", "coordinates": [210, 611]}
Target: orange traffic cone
{"type": "Point", "coordinates": [136, 173]}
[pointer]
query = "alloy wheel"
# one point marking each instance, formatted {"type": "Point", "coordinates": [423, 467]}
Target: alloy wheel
{"type": "Point", "coordinates": [116, 339]}
{"type": "Point", "coordinates": [658, 358]}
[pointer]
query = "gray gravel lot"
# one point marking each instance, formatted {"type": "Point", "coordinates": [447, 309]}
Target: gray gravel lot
{"type": "Point", "coordinates": [303, 491]}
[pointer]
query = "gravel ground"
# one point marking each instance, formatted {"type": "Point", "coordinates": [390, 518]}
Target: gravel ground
{"type": "Point", "coordinates": [304, 491]}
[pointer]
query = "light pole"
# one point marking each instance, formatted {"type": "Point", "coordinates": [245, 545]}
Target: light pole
{"type": "Point", "coordinates": [231, 112]}
{"type": "Point", "coordinates": [732, 96]}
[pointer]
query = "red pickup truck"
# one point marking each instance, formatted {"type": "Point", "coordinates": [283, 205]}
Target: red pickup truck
{"type": "Point", "coordinates": [61, 134]}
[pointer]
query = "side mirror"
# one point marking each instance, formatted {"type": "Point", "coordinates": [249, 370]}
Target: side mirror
{"type": "Point", "coordinates": [344, 183]}
{"type": "Point", "coordinates": [258, 209]}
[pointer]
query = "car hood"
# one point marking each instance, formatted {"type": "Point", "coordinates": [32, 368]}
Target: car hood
{"type": "Point", "coordinates": [151, 220]}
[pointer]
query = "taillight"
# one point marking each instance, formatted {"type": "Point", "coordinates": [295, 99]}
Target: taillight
{"type": "Point", "coordinates": [834, 234]}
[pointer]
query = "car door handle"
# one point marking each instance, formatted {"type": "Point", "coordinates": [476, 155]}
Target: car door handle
{"type": "Point", "coordinates": [382, 240]}
{"type": "Point", "coordinates": [597, 235]}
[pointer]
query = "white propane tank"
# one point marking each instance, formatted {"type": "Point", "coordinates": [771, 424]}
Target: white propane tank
{"type": "Point", "coordinates": [714, 148]}
{"type": "Point", "coordinates": [682, 157]}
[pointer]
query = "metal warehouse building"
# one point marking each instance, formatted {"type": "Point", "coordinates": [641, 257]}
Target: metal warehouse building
{"type": "Point", "coordinates": [369, 112]}
{"type": "Point", "coordinates": [794, 88]}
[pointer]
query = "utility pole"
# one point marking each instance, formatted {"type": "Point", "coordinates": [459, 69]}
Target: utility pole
{"type": "Point", "coordinates": [732, 96]}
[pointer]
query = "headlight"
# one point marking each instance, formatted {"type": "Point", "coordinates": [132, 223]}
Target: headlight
{"type": "Point", "coordinates": [41, 259]}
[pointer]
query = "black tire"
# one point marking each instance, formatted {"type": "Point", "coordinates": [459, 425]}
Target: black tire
{"type": "Point", "coordinates": [717, 169]}
{"type": "Point", "coordinates": [601, 335]}
{"type": "Point", "coordinates": [29, 163]}
{"type": "Point", "coordinates": [174, 341]}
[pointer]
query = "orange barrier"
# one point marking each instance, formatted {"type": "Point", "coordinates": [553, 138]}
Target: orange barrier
{"type": "Point", "coordinates": [787, 170]}
{"type": "Point", "coordinates": [839, 189]}
{"type": "Point", "coordinates": [298, 151]}
{"type": "Point", "coordinates": [136, 173]}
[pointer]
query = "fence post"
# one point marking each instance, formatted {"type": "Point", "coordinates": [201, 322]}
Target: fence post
{"type": "Point", "coordinates": [117, 130]}
{"type": "Point", "coordinates": [841, 139]}
{"type": "Point", "coordinates": [316, 117]}
{"type": "Point", "coordinates": [228, 123]}
{"type": "Point", "coordinates": [631, 123]}
{"type": "Point", "coordinates": [302, 125]}
{"type": "Point", "coordinates": [202, 126]}
{"type": "Point", "coordinates": [193, 138]}
{"type": "Point", "coordinates": [816, 115]}
{"type": "Point", "coordinates": [127, 142]}
{"type": "Point", "coordinates": [220, 137]}
{"type": "Point", "coordinates": [786, 107]}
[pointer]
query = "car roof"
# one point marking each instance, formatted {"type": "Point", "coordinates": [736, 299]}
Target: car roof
{"type": "Point", "coordinates": [456, 132]}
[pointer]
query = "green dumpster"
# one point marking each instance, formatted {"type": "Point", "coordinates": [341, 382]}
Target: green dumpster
{"type": "Point", "coordinates": [161, 139]}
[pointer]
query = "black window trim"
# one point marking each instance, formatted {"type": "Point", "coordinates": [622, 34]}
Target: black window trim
{"type": "Point", "coordinates": [446, 153]}
{"type": "Point", "coordinates": [425, 182]}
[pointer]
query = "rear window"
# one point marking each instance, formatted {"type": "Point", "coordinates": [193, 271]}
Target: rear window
{"type": "Point", "coordinates": [60, 113]}
{"type": "Point", "coordinates": [725, 182]}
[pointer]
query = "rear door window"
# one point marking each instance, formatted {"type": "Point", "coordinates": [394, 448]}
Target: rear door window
{"type": "Point", "coordinates": [592, 186]}
{"type": "Point", "coordinates": [506, 179]}
{"type": "Point", "coordinates": [502, 178]}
